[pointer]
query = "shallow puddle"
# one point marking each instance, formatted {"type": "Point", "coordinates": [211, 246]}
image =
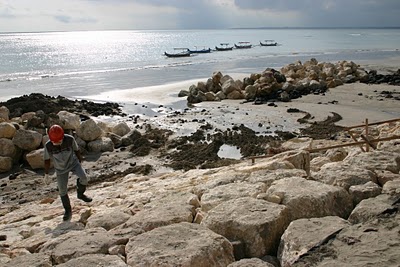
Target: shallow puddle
{"type": "Point", "coordinates": [229, 152]}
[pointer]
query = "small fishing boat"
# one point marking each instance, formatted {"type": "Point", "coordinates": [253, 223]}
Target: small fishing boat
{"type": "Point", "coordinates": [184, 52]}
{"type": "Point", "coordinates": [268, 43]}
{"type": "Point", "coordinates": [200, 50]}
{"type": "Point", "coordinates": [243, 45]}
{"type": "Point", "coordinates": [224, 47]}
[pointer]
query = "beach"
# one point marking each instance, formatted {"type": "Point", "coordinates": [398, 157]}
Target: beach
{"type": "Point", "coordinates": [187, 172]}
{"type": "Point", "coordinates": [355, 102]}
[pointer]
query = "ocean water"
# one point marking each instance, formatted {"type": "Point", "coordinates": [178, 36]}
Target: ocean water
{"type": "Point", "coordinates": [81, 64]}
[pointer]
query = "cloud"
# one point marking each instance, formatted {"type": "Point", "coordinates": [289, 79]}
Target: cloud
{"type": "Point", "coordinates": [6, 11]}
{"type": "Point", "coordinates": [39, 15]}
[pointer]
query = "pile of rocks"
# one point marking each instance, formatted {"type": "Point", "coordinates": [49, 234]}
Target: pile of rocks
{"type": "Point", "coordinates": [375, 78]}
{"type": "Point", "coordinates": [22, 138]}
{"type": "Point", "coordinates": [334, 208]}
{"type": "Point", "coordinates": [292, 81]}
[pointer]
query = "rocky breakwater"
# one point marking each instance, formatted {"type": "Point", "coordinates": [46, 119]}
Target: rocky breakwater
{"type": "Point", "coordinates": [23, 134]}
{"type": "Point", "coordinates": [333, 208]}
{"type": "Point", "coordinates": [291, 82]}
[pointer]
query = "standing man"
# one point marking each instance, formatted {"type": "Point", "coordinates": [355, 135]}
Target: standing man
{"type": "Point", "coordinates": [64, 151]}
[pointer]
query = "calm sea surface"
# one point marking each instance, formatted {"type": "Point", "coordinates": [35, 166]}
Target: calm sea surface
{"type": "Point", "coordinates": [78, 64]}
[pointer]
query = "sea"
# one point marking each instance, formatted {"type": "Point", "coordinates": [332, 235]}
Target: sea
{"type": "Point", "coordinates": [83, 64]}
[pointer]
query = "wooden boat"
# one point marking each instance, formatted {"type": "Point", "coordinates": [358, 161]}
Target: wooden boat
{"type": "Point", "coordinates": [269, 43]}
{"type": "Point", "coordinates": [243, 45]}
{"type": "Point", "coordinates": [224, 47]}
{"type": "Point", "coordinates": [184, 52]}
{"type": "Point", "coordinates": [200, 50]}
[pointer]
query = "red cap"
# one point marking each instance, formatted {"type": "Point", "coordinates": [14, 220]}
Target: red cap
{"type": "Point", "coordinates": [56, 133]}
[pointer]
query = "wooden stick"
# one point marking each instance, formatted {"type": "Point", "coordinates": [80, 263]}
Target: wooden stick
{"type": "Point", "coordinates": [368, 142]}
{"type": "Point", "coordinates": [366, 135]}
{"type": "Point", "coordinates": [355, 143]}
{"type": "Point", "coordinates": [375, 123]}
{"type": "Point", "coordinates": [355, 139]}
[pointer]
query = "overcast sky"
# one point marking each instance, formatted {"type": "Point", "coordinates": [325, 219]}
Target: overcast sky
{"type": "Point", "coordinates": [66, 15]}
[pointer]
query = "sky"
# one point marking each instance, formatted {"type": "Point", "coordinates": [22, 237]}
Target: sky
{"type": "Point", "coordinates": [72, 15]}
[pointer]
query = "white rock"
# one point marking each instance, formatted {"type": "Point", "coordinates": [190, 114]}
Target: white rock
{"type": "Point", "coordinates": [4, 113]}
{"type": "Point", "coordinates": [69, 120]}
{"type": "Point", "coordinates": [307, 199]}
{"type": "Point", "coordinates": [27, 139]}
{"type": "Point", "coordinates": [89, 130]}
{"type": "Point", "coordinates": [121, 129]}
{"type": "Point", "coordinates": [245, 219]}
{"type": "Point", "coordinates": [7, 130]}
{"type": "Point", "coordinates": [180, 244]}
{"type": "Point", "coordinates": [35, 158]}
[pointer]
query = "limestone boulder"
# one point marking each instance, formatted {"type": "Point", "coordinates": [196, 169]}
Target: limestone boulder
{"type": "Point", "coordinates": [5, 164]}
{"type": "Point", "coordinates": [220, 95]}
{"type": "Point", "coordinates": [7, 130]}
{"type": "Point", "coordinates": [27, 116]}
{"type": "Point", "coordinates": [250, 92]}
{"type": "Point", "coordinates": [257, 224]}
{"type": "Point", "coordinates": [364, 191]}
{"type": "Point", "coordinates": [376, 160]}
{"type": "Point", "coordinates": [95, 260]}
{"type": "Point", "coordinates": [317, 162]}
{"type": "Point", "coordinates": [375, 243]}
{"type": "Point", "coordinates": [69, 121]}
{"type": "Point", "coordinates": [300, 159]}
{"type": "Point", "coordinates": [165, 210]}
{"type": "Point", "coordinates": [121, 129]}
{"type": "Point", "coordinates": [7, 148]}
{"type": "Point", "coordinates": [235, 95]}
{"type": "Point", "coordinates": [76, 244]}
{"type": "Point", "coordinates": [392, 188]}
{"type": "Point", "coordinates": [337, 154]}
{"type": "Point", "coordinates": [89, 130]}
{"type": "Point", "coordinates": [267, 177]}
{"type": "Point", "coordinates": [4, 113]}
{"type": "Point", "coordinates": [344, 175]}
{"type": "Point", "coordinates": [35, 259]}
{"type": "Point", "coordinates": [183, 93]}
{"type": "Point", "coordinates": [308, 199]}
{"type": "Point", "coordinates": [27, 140]}
{"type": "Point", "coordinates": [104, 126]}
{"type": "Point", "coordinates": [253, 262]}
{"type": "Point", "coordinates": [229, 86]}
{"type": "Point", "coordinates": [386, 176]}
{"type": "Point", "coordinates": [116, 139]}
{"type": "Point", "coordinates": [370, 208]}
{"type": "Point", "coordinates": [210, 96]}
{"type": "Point", "coordinates": [107, 219]}
{"type": "Point", "coordinates": [181, 244]}
{"type": "Point", "coordinates": [102, 144]}
{"type": "Point", "coordinates": [297, 240]}
{"type": "Point", "coordinates": [35, 158]}
{"type": "Point", "coordinates": [215, 196]}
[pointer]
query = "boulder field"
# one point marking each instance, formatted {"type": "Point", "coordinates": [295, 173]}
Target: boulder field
{"type": "Point", "coordinates": [339, 207]}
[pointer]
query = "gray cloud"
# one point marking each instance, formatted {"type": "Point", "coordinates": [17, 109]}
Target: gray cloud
{"type": "Point", "coordinates": [6, 12]}
{"type": "Point", "coordinates": [63, 18]}
{"type": "Point", "coordinates": [334, 13]}
{"type": "Point", "coordinates": [197, 14]}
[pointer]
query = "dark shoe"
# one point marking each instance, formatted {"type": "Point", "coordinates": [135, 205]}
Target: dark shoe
{"type": "Point", "coordinates": [80, 190]}
{"type": "Point", "coordinates": [67, 207]}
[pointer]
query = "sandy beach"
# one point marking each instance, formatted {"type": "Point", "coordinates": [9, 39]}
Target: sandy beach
{"type": "Point", "coordinates": [355, 102]}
